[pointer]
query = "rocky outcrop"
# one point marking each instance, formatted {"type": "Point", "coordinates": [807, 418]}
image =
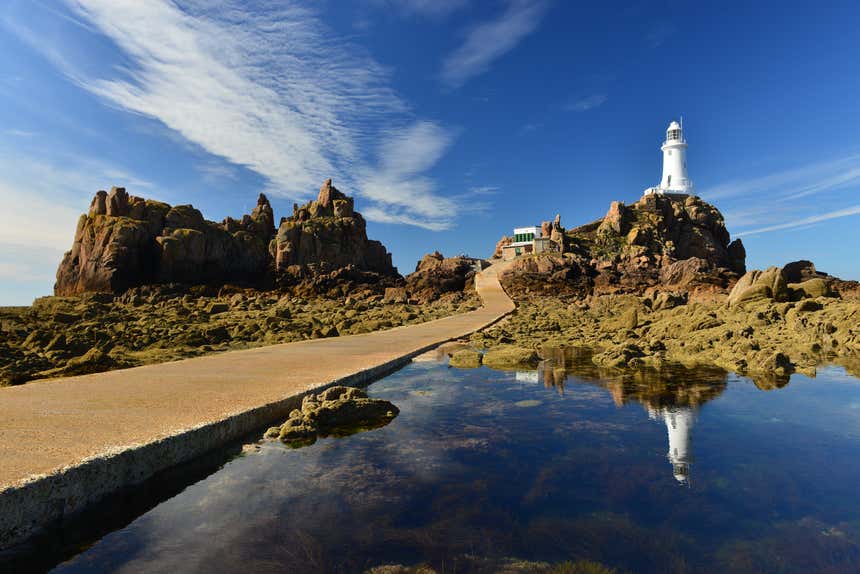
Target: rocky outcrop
{"type": "Point", "coordinates": [337, 411]}
{"type": "Point", "coordinates": [436, 275]}
{"type": "Point", "coordinates": [674, 243]}
{"type": "Point", "coordinates": [125, 241]}
{"type": "Point", "coordinates": [324, 235]}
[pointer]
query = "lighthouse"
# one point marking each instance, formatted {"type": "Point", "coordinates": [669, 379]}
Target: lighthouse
{"type": "Point", "coordinates": [675, 180]}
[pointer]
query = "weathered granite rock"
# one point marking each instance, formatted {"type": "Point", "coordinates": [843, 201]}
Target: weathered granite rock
{"type": "Point", "coordinates": [673, 243]}
{"type": "Point", "coordinates": [816, 287]}
{"type": "Point", "coordinates": [327, 234]}
{"type": "Point", "coordinates": [436, 275]}
{"type": "Point", "coordinates": [126, 241]}
{"type": "Point", "coordinates": [756, 285]}
{"type": "Point", "coordinates": [337, 411]}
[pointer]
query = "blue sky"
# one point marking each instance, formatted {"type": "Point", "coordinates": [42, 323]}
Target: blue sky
{"type": "Point", "coordinates": [450, 121]}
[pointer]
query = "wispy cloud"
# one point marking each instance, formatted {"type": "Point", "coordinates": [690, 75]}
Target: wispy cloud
{"type": "Point", "coordinates": [431, 8]}
{"type": "Point", "coordinates": [19, 133]}
{"type": "Point", "coordinates": [271, 89]}
{"type": "Point", "coordinates": [789, 199]}
{"type": "Point", "coordinates": [489, 41]}
{"type": "Point", "coordinates": [795, 182]}
{"type": "Point", "coordinates": [805, 221]}
{"type": "Point", "coordinates": [586, 103]}
{"type": "Point", "coordinates": [397, 183]}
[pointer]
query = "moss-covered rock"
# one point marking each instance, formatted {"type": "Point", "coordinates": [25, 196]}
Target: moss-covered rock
{"type": "Point", "coordinates": [465, 359]}
{"type": "Point", "coordinates": [510, 357]}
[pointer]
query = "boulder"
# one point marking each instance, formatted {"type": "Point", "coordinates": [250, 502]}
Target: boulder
{"type": "Point", "coordinates": [509, 357]}
{"type": "Point", "coordinates": [816, 287]}
{"type": "Point", "coordinates": [436, 275]}
{"type": "Point", "coordinates": [756, 285]}
{"type": "Point", "coordinates": [465, 359]}
{"type": "Point", "coordinates": [337, 411]}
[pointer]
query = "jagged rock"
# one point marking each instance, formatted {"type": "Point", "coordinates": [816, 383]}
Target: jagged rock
{"type": "Point", "coordinates": [616, 220]}
{"type": "Point", "coordinates": [502, 243]}
{"type": "Point", "coordinates": [436, 275]}
{"type": "Point", "coordinates": [659, 241]}
{"type": "Point", "coordinates": [325, 235]}
{"type": "Point", "coordinates": [800, 271]}
{"type": "Point", "coordinates": [126, 241]}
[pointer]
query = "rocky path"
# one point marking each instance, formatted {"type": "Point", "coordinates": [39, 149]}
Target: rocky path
{"type": "Point", "coordinates": [66, 442]}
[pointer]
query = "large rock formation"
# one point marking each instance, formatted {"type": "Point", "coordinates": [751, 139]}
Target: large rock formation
{"type": "Point", "coordinates": [126, 241]}
{"type": "Point", "coordinates": [659, 241]}
{"type": "Point", "coordinates": [325, 235]}
{"type": "Point", "coordinates": [436, 275]}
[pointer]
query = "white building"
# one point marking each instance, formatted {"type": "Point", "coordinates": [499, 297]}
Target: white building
{"type": "Point", "coordinates": [675, 180]}
{"type": "Point", "coordinates": [679, 425]}
{"type": "Point", "coordinates": [526, 240]}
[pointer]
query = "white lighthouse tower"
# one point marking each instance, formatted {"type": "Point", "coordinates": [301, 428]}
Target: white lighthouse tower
{"type": "Point", "coordinates": [675, 180]}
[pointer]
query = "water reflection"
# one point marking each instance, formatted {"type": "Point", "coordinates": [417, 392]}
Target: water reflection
{"type": "Point", "coordinates": [672, 396]}
{"type": "Point", "coordinates": [484, 467]}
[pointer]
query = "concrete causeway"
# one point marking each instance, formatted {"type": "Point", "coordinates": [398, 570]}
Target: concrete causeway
{"type": "Point", "coordinates": [66, 443]}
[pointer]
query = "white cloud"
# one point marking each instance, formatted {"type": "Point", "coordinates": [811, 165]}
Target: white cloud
{"type": "Point", "coordinates": [805, 221]}
{"type": "Point", "coordinates": [431, 8]}
{"type": "Point", "coordinates": [397, 184]}
{"type": "Point", "coordinates": [587, 103]}
{"type": "Point", "coordinates": [273, 90]}
{"type": "Point", "coordinates": [42, 201]}
{"type": "Point", "coordinates": [784, 199]}
{"type": "Point", "coordinates": [489, 41]}
{"type": "Point", "coordinates": [793, 183]}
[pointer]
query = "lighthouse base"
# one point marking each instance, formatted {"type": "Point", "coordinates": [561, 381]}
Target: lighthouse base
{"type": "Point", "coordinates": [667, 192]}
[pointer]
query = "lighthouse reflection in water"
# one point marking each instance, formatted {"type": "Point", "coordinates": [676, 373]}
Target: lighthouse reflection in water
{"type": "Point", "coordinates": [670, 396]}
{"type": "Point", "coordinates": [679, 424]}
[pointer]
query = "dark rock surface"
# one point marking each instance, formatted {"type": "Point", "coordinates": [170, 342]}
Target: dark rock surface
{"type": "Point", "coordinates": [337, 411]}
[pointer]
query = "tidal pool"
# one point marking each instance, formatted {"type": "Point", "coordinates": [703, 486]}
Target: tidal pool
{"type": "Point", "coordinates": [679, 471]}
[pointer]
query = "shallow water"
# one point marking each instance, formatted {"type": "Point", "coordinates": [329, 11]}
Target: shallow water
{"type": "Point", "coordinates": [684, 471]}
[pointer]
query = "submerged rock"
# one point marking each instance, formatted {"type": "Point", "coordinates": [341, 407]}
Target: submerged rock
{"type": "Point", "coordinates": [337, 411]}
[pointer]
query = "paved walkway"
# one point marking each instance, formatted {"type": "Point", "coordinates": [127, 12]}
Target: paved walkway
{"type": "Point", "coordinates": [48, 426]}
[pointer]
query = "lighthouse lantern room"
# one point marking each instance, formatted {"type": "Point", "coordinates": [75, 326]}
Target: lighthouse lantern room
{"type": "Point", "coordinates": [675, 180]}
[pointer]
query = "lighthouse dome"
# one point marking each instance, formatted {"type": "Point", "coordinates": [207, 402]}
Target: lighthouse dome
{"type": "Point", "coordinates": [673, 126]}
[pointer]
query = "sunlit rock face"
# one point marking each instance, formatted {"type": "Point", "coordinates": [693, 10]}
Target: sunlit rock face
{"type": "Point", "coordinates": [659, 241]}
{"type": "Point", "coordinates": [126, 241]}
{"type": "Point", "coordinates": [327, 234]}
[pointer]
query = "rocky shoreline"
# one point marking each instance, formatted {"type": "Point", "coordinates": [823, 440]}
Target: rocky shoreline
{"type": "Point", "coordinates": [766, 333]}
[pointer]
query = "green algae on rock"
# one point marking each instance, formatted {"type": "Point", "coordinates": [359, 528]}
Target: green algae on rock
{"type": "Point", "coordinates": [508, 357]}
{"type": "Point", "coordinates": [466, 359]}
{"type": "Point", "coordinates": [337, 411]}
